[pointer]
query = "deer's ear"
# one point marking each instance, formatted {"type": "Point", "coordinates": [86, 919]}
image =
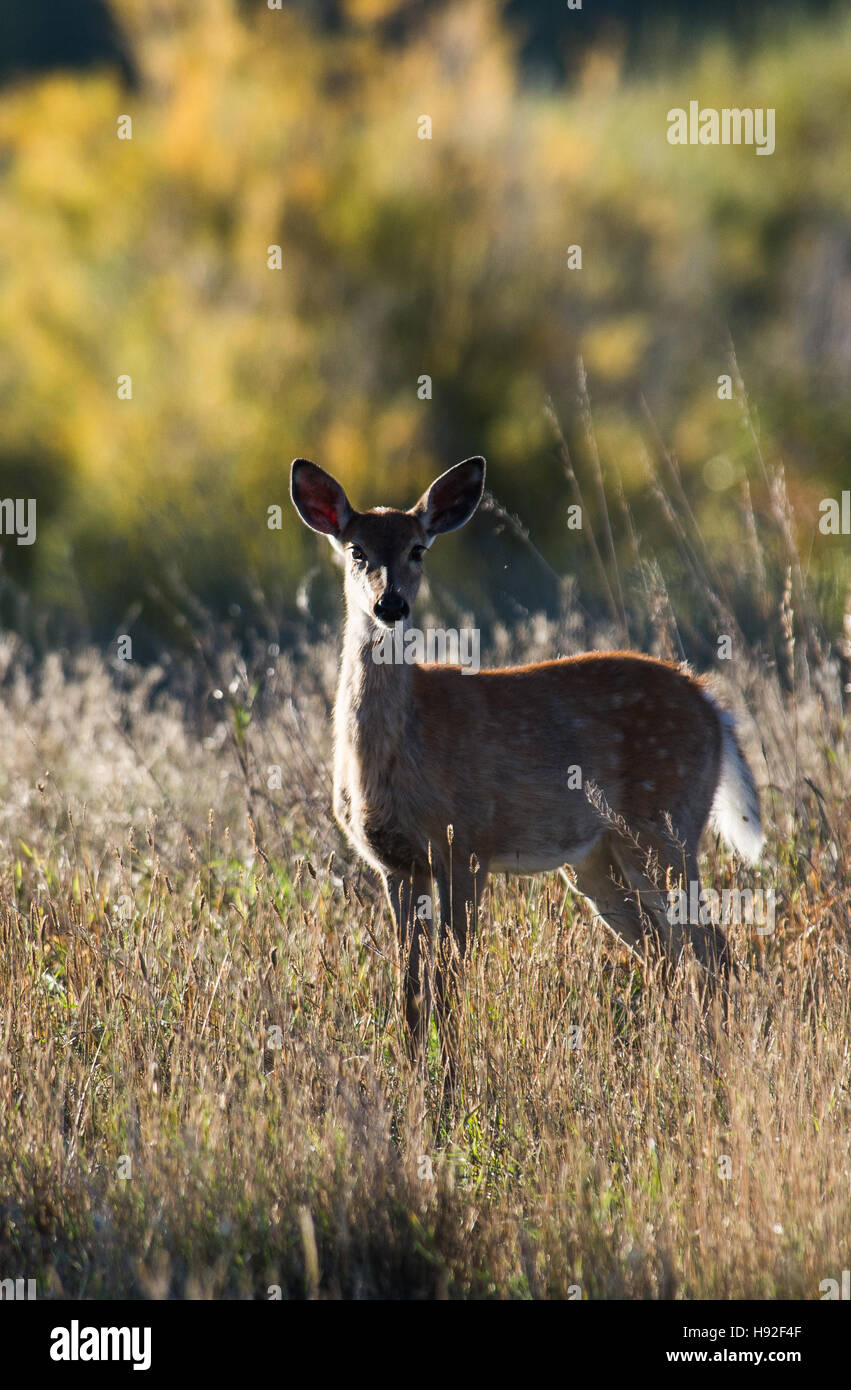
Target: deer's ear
{"type": "Point", "coordinates": [319, 500]}
{"type": "Point", "coordinates": [452, 498]}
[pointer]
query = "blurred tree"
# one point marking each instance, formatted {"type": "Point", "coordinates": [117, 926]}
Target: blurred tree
{"type": "Point", "coordinates": [41, 35]}
{"type": "Point", "coordinates": [399, 256]}
{"type": "Point", "coordinates": [556, 38]}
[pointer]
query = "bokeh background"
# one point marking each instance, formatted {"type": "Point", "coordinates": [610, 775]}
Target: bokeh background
{"type": "Point", "coordinates": [403, 257]}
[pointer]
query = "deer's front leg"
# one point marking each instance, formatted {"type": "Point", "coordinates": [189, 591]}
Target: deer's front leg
{"type": "Point", "coordinates": [460, 888]}
{"type": "Point", "coordinates": [460, 893]}
{"type": "Point", "coordinates": [410, 898]}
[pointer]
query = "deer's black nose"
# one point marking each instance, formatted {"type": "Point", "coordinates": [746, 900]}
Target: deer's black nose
{"type": "Point", "coordinates": [391, 607]}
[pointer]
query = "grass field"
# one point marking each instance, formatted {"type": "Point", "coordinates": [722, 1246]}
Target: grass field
{"type": "Point", "coordinates": [204, 1088]}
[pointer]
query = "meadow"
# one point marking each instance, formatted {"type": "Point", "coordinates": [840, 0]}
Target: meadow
{"type": "Point", "coordinates": [205, 1089]}
{"type": "Point", "coordinates": [274, 261]}
{"type": "Point", "coordinates": [204, 1085]}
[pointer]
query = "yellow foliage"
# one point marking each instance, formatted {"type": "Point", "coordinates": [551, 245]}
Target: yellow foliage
{"type": "Point", "coordinates": [399, 256]}
{"type": "Point", "coordinates": [613, 349]}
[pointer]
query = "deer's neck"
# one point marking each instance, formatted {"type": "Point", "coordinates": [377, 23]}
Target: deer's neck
{"type": "Point", "coordinates": [374, 693]}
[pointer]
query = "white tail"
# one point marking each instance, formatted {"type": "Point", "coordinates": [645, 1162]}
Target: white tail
{"type": "Point", "coordinates": [735, 807]}
{"type": "Point", "coordinates": [611, 763]}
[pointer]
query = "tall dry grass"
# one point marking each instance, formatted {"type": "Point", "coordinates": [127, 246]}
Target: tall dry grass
{"type": "Point", "coordinates": [204, 1085]}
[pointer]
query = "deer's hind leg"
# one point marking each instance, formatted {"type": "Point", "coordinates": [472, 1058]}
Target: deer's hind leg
{"type": "Point", "coordinates": [629, 885]}
{"type": "Point", "coordinates": [665, 879]}
{"type": "Point", "coordinates": [599, 878]}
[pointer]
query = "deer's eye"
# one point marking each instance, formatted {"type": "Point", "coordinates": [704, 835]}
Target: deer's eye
{"type": "Point", "coordinates": [357, 555]}
{"type": "Point", "coordinates": [418, 552]}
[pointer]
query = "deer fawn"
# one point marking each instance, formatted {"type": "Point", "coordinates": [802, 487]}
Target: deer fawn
{"type": "Point", "coordinates": [422, 748]}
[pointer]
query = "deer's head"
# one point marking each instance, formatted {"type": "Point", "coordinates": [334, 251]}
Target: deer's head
{"type": "Point", "coordinates": [383, 548]}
